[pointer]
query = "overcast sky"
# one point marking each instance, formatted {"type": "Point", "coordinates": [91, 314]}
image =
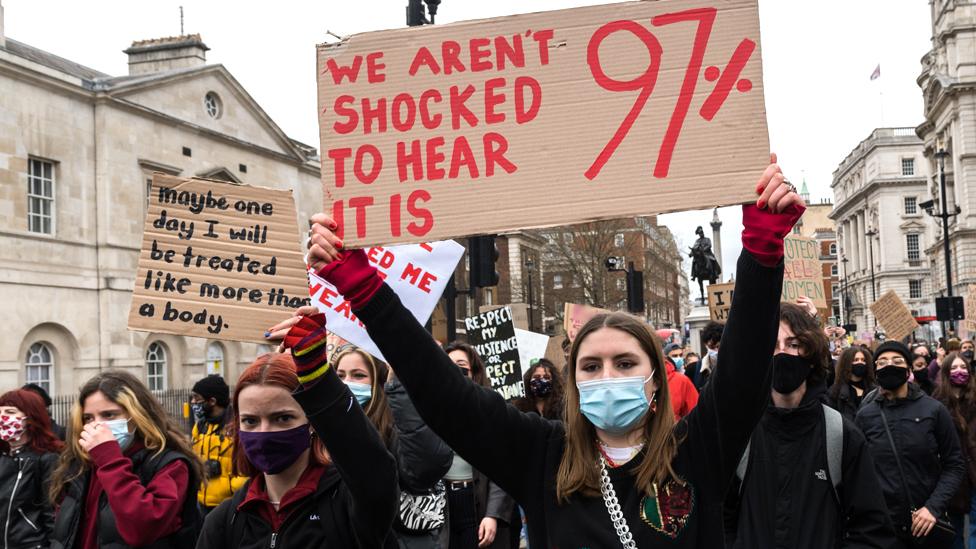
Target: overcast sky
{"type": "Point", "coordinates": [817, 57]}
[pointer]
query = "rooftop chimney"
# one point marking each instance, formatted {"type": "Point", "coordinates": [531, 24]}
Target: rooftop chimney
{"type": "Point", "coordinates": [166, 54]}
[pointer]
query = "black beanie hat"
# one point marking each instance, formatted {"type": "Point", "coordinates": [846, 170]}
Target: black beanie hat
{"type": "Point", "coordinates": [213, 386]}
{"type": "Point", "coordinates": [40, 392]}
{"type": "Point", "coordinates": [894, 346]}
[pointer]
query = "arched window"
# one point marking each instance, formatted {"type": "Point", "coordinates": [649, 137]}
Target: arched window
{"type": "Point", "coordinates": [156, 366]}
{"type": "Point", "coordinates": [215, 359]}
{"type": "Point", "coordinates": [40, 364]}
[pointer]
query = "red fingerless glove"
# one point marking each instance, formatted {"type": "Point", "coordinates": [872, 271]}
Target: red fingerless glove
{"type": "Point", "coordinates": [354, 276]}
{"type": "Point", "coordinates": [307, 343]}
{"type": "Point", "coordinates": [763, 231]}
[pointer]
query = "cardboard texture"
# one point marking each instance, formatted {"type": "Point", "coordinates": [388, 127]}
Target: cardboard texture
{"type": "Point", "coordinates": [492, 334]}
{"type": "Point", "coordinates": [218, 261]}
{"type": "Point", "coordinates": [970, 306]}
{"type": "Point", "coordinates": [893, 316]}
{"type": "Point", "coordinates": [803, 275]}
{"type": "Point", "coordinates": [576, 315]}
{"type": "Point", "coordinates": [720, 300]}
{"type": "Point", "coordinates": [562, 117]}
{"type": "Point", "coordinates": [554, 350]}
{"type": "Point", "coordinates": [418, 273]}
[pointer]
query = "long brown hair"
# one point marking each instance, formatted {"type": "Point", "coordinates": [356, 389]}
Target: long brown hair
{"type": "Point", "coordinates": [378, 408]}
{"type": "Point", "coordinates": [578, 469]}
{"type": "Point", "coordinates": [845, 365]}
{"type": "Point", "coordinates": [153, 427]}
{"type": "Point", "coordinates": [552, 405]}
{"type": "Point", "coordinates": [478, 373]}
{"type": "Point", "coordinates": [278, 370]}
{"type": "Point", "coordinates": [962, 407]}
{"type": "Point", "coordinates": [37, 426]}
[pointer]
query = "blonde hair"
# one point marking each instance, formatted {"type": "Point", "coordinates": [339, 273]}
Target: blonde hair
{"type": "Point", "coordinates": [578, 469]}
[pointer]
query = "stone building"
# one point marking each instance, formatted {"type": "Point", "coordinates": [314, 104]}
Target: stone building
{"type": "Point", "coordinates": [881, 226]}
{"type": "Point", "coordinates": [948, 84]}
{"type": "Point", "coordinates": [77, 150]}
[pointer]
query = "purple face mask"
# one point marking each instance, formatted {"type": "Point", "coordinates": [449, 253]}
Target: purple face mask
{"type": "Point", "coordinates": [959, 378]}
{"type": "Point", "coordinates": [274, 451]}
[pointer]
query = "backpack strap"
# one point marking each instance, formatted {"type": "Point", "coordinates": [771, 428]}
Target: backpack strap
{"type": "Point", "coordinates": [834, 423]}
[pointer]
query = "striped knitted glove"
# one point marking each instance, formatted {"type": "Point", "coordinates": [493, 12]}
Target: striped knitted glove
{"type": "Point", "coordinates": [307, 343]}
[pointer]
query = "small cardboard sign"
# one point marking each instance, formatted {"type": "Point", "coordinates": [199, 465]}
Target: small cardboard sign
{"type": "Point", "coordinates": [418, 273]}
{"type": "Point", "coordinates": [576, 315]}
{"type": "Point", "coordinates": [803, 274]}
{"type": "Point", "coordinates": [564, 116]}
{"type": "Point", "coordinates": [720, 300]}
{"type": "Point", "coordinates": [893, 316]}
{"type": "Point", "coordinates": [218, 261]}
{"type": "Point", "coordinates": [554, 350]}
{"type": "Point", "coordinates": [531, 346]}
{"type": "Point", "coordinates": [970, 306]}
{"type": "Point", "coordinates": [492, 334]}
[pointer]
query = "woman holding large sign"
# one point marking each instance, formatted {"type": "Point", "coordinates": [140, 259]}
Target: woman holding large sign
{"type": "Point", "coordinates": [618, 470]}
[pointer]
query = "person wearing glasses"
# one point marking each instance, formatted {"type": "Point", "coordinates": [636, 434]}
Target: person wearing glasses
{"type": "Point", "coordinates": [478, 511]}
{"type": "Point", "coordinates": [915, 450]}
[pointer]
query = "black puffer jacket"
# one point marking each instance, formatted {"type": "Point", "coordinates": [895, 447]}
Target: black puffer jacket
{"type": "Point", "coordinates": [927, 445]}
{"type": "Point", "coordinates": [24, 505]}
{"type": "Point", "coordinates": [845, 401]}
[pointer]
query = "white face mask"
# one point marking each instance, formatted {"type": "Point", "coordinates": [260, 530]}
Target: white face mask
{"type": "Point", "coordinates": [120, 430]}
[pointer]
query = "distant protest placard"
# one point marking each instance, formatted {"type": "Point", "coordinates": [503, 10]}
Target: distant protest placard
{"type": "Point", "coordinates": [492, 334]}
{"type": "Point", "coordinates": [531, 347]}
{"type": "Point", "coordinates": [418, 273]}
{"type": "Point", "coordinates": [218, 261]}
{"type": "Point", "coordinates": [893, 316]}
{"type": "Point", "coordinates": [803, 274]}
{"type": "Point", "coordinates": [541, 119]}
{"type": "Point", "coordinates": [720, 300]}
{"type": "Point", "coordinates": [576, 315]}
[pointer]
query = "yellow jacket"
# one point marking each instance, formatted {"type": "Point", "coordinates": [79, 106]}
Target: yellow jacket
{"type": "Point", "coordinates": [215, 445]}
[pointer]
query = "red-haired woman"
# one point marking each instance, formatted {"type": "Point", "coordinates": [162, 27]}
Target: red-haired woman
{"type": "Point", "coordinates": [615, 473]}
{"type": "Point", "coordinates": [29, 455]}
{"type": "Point", "coordinates": [320, 474]}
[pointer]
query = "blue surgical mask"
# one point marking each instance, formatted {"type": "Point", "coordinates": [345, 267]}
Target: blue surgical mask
{"type": "Point", "coordinates": [614, 404]}
{"type": "Point", "coordinates": [120, 430]}
{"type": "Point", "coordinates": [361, 391]}
{"type": "Point", "coordinates": [678, 362]}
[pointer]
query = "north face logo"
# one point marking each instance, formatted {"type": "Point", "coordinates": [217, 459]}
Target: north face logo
{"type": "Point", "coordinates": [313, 516]}
{"type": "Point", "coordinates": [821, 474]}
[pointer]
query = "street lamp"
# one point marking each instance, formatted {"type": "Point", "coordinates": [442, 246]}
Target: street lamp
{"type": "Point", "coordinates": [941, 154]}
{"type": "Point", "coordinates": [844, 307]}
{"type": "Point", "coordinates": [871, 233]}
{"type": "Point", "coordinates": [530, 267]}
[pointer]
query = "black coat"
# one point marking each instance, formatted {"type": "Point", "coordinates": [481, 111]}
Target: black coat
{"type": "Point", "coordinates": [422, 457]}
{"type": "Point", "coordinates": [788, 500]}
{"type": "Point", "coordinates": [846, 401]}
{"type": "Point", "coordinates": [927, 445]}
{"type": "Point", "coordinates": [28, 515]}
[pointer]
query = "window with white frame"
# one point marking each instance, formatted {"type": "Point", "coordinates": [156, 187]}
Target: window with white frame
{"type": "Point", "coordinates": [915, 289]}
{"type": "Point", "coordinates": [618, 240]}
{"type": "Point", "coordinates": [833, 248]}
{"type": "Point", "coordinates": [834, 290]}
{"type": "Point", "coordinates": [833, 270]}
{"type": "Point", "coordinates": [40, 196]}
{"type": "Point", "coordinates": [215, 359]}
{"type": "Point", "coordinates": [489, 296]}
{"type": "Point", "coordinates": [912, 247]}
{"type": "Point", "coordinates": [156, 366]}
{"type": "Point", "coordinates": [911, 205]}
{"type": "Point", "coordinates": [908, 166]}
{"type": "Point", "coordinates": [39, 365]}
{"type": "Point", "coordinates": [557, 282]}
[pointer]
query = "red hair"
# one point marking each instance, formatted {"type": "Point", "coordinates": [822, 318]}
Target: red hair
{"type": "Point", "coordinates": [278, 370]}
{"type": "Point", "coordinates": [40, 437]}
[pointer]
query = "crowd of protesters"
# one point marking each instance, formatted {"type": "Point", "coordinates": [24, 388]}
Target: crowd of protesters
{"type": "Point", "coordinates": [778, 435]}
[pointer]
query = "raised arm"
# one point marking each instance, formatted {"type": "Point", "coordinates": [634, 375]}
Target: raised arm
{"type": "Point", "coordinates": [366, 467]}
{"type": "Point", "coordinates": [733, 402]}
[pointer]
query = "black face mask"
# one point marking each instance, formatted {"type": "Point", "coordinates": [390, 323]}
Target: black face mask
{"type": "Point", "coordinates": [860, 370]}
{"type": "Point", "coordinates": [968, 355]}
{"type": "Point", "coordinates": [789, 372]}
{"type": "Point", "coordinates": [540, 387]}
{"type": "Point", "coordinates": [892, 377]}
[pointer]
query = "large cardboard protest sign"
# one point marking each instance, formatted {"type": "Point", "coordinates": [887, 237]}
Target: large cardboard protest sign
{"type": "Point", "coordinates": [556, 117]}
{"type": "Point", "coordinates": [576, 315]}
{"type": "Point", "coordinates": [418, 273]}
{"type": "Point", "coordinates": [219, 261]}
{"type": "Point", "coordinates": [493, 335]}
{"type": "Point", "coordinates": [803, 274]}
{"type": "Point", "coordinates": [897, 321]}
{"type": "Point", "coordinates": [720, 300]}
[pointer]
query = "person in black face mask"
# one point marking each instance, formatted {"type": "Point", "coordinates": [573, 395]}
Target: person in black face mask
{"type": "Point", "coordinates": [854, 379]}
{"type": "Point", "coordinates": [920, 369]}
{"type": "Point", "coordinates": [806, 481]}
{"type": "Point", "coordinates": [968, 351]}
{"type": "Point", "coordinates": [915, 450]}
{"type": "Point", "coordinates": [543, 390]}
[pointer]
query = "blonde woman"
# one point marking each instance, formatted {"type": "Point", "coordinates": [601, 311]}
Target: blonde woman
{"type": "Point", "coordinates": [618, 471]}
{"type": "Point", "coordinates": [128, 476]}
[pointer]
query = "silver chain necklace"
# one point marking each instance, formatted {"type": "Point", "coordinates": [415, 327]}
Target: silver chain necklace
{"type": "Point", "coordinates": [613, 507]}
